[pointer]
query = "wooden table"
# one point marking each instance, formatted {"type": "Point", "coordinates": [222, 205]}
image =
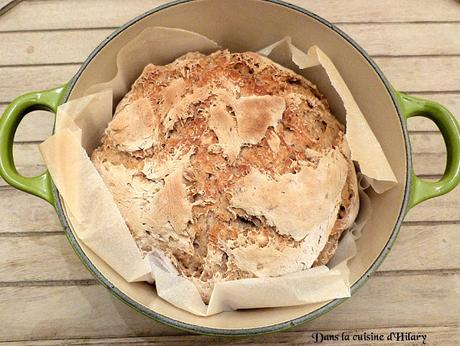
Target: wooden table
{"type": "Point", "coordinates": [46, 294]}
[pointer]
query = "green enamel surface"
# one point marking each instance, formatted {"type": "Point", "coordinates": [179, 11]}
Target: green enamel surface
{"type": "Point", "coordinates": [47, 100]}
{"type": "Point", "coordinates": [422, 190]}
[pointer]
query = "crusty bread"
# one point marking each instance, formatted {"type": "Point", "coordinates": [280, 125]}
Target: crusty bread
{"type": "Point", "coordinates": [231, 165]}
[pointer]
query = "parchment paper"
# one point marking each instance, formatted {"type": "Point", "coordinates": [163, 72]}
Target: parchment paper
{"type": "Point", "coordinates": [97, 221]}
{"type": "Point", "coordinates": [89, 204]}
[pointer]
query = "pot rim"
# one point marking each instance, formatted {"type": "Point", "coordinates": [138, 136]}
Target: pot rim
{"type": "Point", "coordinates": [274, 327]}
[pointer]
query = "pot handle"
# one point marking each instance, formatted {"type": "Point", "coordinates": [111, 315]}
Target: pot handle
{"type": "Point", "coordinates": [420, 189]}
{"type": "Point", "coordinates": [39, 100]}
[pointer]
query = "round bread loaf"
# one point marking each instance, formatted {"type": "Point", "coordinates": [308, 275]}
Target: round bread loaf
{"type": "Point", "coordinates": [231, 165]}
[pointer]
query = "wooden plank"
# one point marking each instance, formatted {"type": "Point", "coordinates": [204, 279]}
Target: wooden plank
{"type": "Point", "coordinates": [429, 164]}
{"type": "Point", "coordinates": [26, 154]}
{"type": "Point", "coordinates": [36, 126]}
{"type": "Point", "coordinates": [423, 143]}
{"type": "Point", "coordinates": [450, 101]}
{"type": "Point", "coordinates": [70, 311]}
{"type": "Point", "coordinates": [46, 312]}
{"type": "Point", "coordinates": [426, 74]}
{"type": "Point", "coordinates": [40, 258]}
{"type": "Point", "coordinates": [27, 170]}
{"type": "Point", "coordinates": [15, 81]}
{"type": "Point", "coordinates": [22, 212]}
{"type": "Point", "coordinates": [415, 74]}
{"type": "Point", "coordinates": [428, 153]}
{"type": "Point", "coordinates": [406, 39]}
{"type": "Point", "coordinates": [425, 247]}
{"type": "Point", "coordinates": [439, 335]}
{"type": "Point", "coordinates": [28, 160]}
{"type": "Point", "coordinates": [50, 47]}
{"type": "Point", "coordinates": [405, 304]}
{"type": "Point", "coordinates": [56, 14]}
{"type": "Point", "coordinates": [445, 208]}
{"type": "Point", "coordinates": [51, 258]}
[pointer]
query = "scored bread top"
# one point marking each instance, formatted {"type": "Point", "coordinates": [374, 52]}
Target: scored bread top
{"type": "Point", "coordinates": [230, 164]}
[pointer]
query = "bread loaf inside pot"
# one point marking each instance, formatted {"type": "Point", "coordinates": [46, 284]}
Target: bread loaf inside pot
{"type": "Point", "coordinates": [231, 165]}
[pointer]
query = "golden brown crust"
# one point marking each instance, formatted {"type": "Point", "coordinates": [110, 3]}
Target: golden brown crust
{"type": "Point", "coordinates": [255, 114]}
{"type": "Point", "coordinates": [191, 139]}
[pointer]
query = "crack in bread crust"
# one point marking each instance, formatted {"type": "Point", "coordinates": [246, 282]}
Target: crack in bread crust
{"type": "Point", "coordinates": [186, 137]}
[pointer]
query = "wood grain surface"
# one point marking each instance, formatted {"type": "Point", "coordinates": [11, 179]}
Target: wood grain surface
{"type": "Point", "coordinates": [47, 297]}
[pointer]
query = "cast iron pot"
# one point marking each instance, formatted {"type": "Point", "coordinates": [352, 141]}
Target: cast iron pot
{"type": "Point", "coordinates": [249, 25]}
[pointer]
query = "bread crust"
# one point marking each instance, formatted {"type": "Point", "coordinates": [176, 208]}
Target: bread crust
{"type": "Point", "coordinates": [231, 165]}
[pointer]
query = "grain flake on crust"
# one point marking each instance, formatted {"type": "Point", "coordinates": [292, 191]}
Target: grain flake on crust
{"type": "Point", "coordinates": [179, 111]}
{"type": "Point", "coordinates": [245, 121]}
{"type": "Point", "coordinates": [273, 141]}
{"type": "Point", "coordinates": [254, 114]}
{"type": "Point", "coordinates": [134, 127]}
{"type": "Point", "coordinates": [170, 207]}
{"type": "Point", "coordinates": [171, 95]}
{"type": "Point", "coordinates": [156, 169]}
{"type": "Point", "coordinates": [296, 204]}
{"type": "Point", "coordinates": [224, 126]}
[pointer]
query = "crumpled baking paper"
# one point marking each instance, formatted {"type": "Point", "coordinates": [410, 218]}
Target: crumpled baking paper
{"type": "Point", "coordinates": [97, 222]}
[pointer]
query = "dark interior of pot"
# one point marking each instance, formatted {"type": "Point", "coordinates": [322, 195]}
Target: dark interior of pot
{"type": "Point", "coordinates": [242, 25]}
